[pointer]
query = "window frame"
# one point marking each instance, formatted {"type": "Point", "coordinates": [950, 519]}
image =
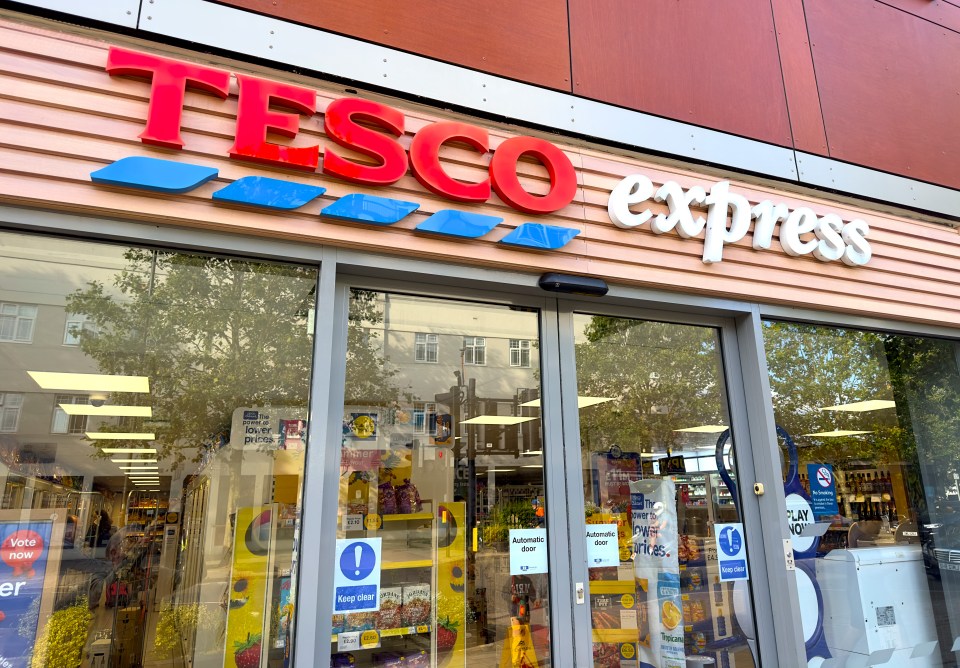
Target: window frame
{"type": "Point", "coordinates": [426, 344]}
{"type": "Point", "coordinates": [5, 400]}
{"type": "Point", "coordinates": [17, 319]}
{"type": "Point", "coordinates": [474, 345]}
{"type": "Point", "coordinates": [520, 349]}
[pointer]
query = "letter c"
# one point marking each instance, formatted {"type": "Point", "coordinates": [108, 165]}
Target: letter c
{"type": "Point", "coordinates": [425, 160]}
{"type": "Point", "coordinates": [506, 183]}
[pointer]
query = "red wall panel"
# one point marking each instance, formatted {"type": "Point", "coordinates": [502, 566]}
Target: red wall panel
{"type": "Point", "coordinates": [799, 78]}
{"type": "Point", "coordinates": [700, 61]}
{"type": "Point", "coordinates": [890, 88]}
{"type": "Point", "coordinates": [521, 40]}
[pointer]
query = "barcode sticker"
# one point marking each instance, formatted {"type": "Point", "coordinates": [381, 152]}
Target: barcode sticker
{"type": "Point", "coordinates": [886, 617]}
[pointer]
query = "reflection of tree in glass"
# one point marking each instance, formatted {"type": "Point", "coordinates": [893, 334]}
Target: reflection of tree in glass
{"type": "Point", "coordinates": [369, 377]}
{"type": "Point", "coordinates": [812, 367]}
{"type": "Point", "coordinates": [663, 377]}
{"type": "Point", "coordinates": [212, 334]}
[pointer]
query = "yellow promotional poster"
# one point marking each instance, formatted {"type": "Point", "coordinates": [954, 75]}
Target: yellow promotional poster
{"type": "Point", "coordinates": [451, 572]}
{"type": "Point", "coordinates": [246, 616]}
{"type": "Point", "coordinates": [518, 647]}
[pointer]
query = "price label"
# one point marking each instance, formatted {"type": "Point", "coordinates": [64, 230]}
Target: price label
{"type": "Point", "coordinates": [348, 641]}
{"type": "Point", "coordinates": [423, 628]}
{"type": "Point", "coordinates": [369, 640]}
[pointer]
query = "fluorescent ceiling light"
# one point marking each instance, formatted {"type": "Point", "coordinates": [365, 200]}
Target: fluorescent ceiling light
{"type": "Point", "coordinates": [705, 429]}
{"type": "Point", "coordinates": [121, 436]}
{"type": "Point", "coordinates": [532, 452]}
{"type": "Point", "coordinates": [133, 461]}
{"type": "Point", "coordinates": [90, 382]}
{"type": "Point", "coordinates": [862, 406]}
{"type": "Point", "coordinates": [497, 419]}
{"type": "Point", "coordinates": [500, 470]}
{"type": "Point", "coordinates": [839, 432]}
{"type": "Point", "coordinates": [653, 454]}
{"type": "Point", "coordinates": [124, 451]}
{"type": "Point", "coordinates": [139, 468]}
{"type": "Point", "coordinates": [582, 402]}
{"type": "Point", "coordinates": [153, 490]}
{"type": "Point", "coordinates": [111, 411]}
{"type": "Point", "coordinates": [532, 466]}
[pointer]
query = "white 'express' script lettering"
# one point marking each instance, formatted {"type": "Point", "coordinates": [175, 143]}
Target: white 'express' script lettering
{"type": "Point", "coordinates": [827, 237]}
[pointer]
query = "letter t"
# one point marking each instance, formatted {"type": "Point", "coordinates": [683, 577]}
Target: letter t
{"type": "Point", "coordinates": [169, 81]}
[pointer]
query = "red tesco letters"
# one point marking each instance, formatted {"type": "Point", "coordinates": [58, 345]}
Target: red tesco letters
{"type": "Point", "coordinates": [370, 128]}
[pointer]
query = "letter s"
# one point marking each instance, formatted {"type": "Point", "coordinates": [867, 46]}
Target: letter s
{"type": "Point", "coordinates": [858, 250]}
{"type": "Point", "coordinates": [340, 123]}
{"type": "Point", "coordinates": [831, 245]}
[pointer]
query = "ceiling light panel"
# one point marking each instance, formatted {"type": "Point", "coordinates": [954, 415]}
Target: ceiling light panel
{"type": "Point", "coordinates": [89, 382]}
{"type": "Point", "coordinates": [107, 411]}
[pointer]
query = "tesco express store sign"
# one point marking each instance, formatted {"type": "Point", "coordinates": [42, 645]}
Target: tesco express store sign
{"type": "Point", "coordinates": [373, 129]}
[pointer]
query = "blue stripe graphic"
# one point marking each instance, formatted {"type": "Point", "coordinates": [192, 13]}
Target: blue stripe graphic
{"type": "Point", "coordinates": [538, 235]}
{"type": "Point", "coordinates": [168, 176]}
{"type": "Point", "coordinates": [165, 176]}
{"type": "Point", "coordinates": [269, 193]}
{"type": "Point", "coordinates": [370, 209]}
{"type": "Point", "coordinates": [459, 224]}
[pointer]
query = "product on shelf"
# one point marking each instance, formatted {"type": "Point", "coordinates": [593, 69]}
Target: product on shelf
{"type": "Point", "coordinates": [416, 604]}
{"type": "Point", "coordinates": [386, 499]}
{"type": "Point", "coordinates": [361, 621]}
{"type": "Point", "coordinates": [339, 623]}
{"type": "Point", "coordinates": [390, 616]}
{"type": "Point", "coordinates": [388, 660]}
{"type": "Point", "coordinates": [408, 498]}
{"type": "Point", "coordinates": [416, 659]}
{"type": "Point", "coordinates": [342, 660]}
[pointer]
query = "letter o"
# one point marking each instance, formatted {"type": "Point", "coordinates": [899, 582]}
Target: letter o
{"type": "Point", "coordinates": [506, 183]}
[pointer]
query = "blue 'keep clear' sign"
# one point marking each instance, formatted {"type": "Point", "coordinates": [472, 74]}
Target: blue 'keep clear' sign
{"type": "Point", "coordinates": [823, 489]}
{"type": "Point", "coordinates": [356, 582]}
{"type": "Point", "coordinates": [731, 552]}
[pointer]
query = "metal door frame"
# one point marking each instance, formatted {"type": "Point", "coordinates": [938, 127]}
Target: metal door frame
{"type": "Point", "coordinates": [779, 639]}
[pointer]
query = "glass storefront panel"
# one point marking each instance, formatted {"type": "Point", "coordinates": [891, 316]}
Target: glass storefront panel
{"type": "Point", "coordinates": [441, 543]}
{"type": "Point", "coordinates": [665, 545]}
{"type": "Point", "coordinates": [152, 436]}
{"type": "Point", "coordinates": [869, 429]}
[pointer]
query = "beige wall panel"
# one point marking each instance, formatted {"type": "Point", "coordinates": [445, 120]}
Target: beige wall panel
{"type": "Point", "coordinates": [62, 117]}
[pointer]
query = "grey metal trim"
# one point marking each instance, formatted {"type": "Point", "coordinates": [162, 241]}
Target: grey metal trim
{"type": "Point", "coordinates": [824, 172]}
{"type": "Point", "coordinates": [119, 12]}
{"type": "Point", "coordinates": [562, 598]}
{"type": "Point", "coordinates": [313, 621]}
{"type": "Point", "coordinates": [746, 474]}
{"type": "Point", "coordinates": [813, 316]}
{"type": "Point", "coordinates": [582, 622]}
{"type": "Point", "coordinates": [784, 608]}
{"type": "Point", "coordinates": [281, 41]}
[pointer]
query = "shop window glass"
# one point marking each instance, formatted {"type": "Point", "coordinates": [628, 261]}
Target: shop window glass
{"type": "Point", "coordinates": [153, 469]}
{"type": "Point", "coordinates": [519, 352]}
{"type": "Point", "coordinates": [17, 322]}
{"type": "Point", "coordinates": [660, 497]}
{"type": "Point", "coordinates": [439, 472]}
{"type": "Point", "coordinates": [869, 430]}
{"type": "Point", "coordinates": [474, 350]}
{"type": "Point", "coordinates": [426, 347]}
